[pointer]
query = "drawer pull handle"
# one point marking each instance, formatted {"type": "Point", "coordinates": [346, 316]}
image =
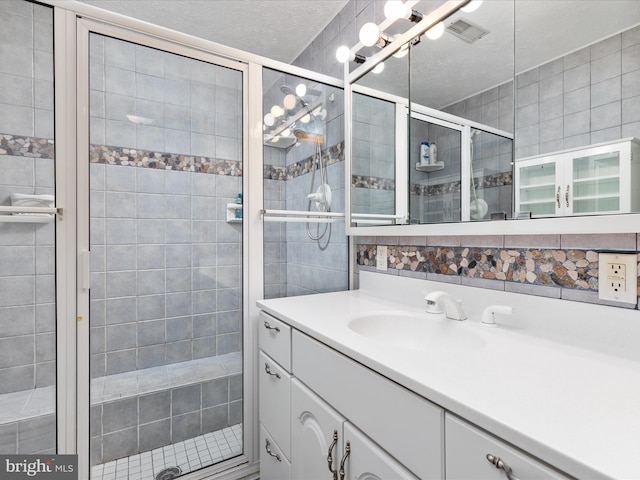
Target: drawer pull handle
{"type": "Point", "coordinates": [566, 196]}
{"type": "Point", "coordinates": [347, 451]}
{"type": "Point", "coordinates": [267, 446]}
{"type": "Point", "coordinates": [268, 370]}
{"type": "Point", "coordinates": [268, 326]}
{"type": "Point", "coordinates": [333, 471]}
{"type": "Point", "coordinates": [557, 200]}
{"type": "Point", "coordinates": [501, 465]}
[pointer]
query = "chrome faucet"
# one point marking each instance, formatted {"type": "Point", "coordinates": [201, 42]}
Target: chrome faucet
{"type": "Point", "coordinates": [453, 308]}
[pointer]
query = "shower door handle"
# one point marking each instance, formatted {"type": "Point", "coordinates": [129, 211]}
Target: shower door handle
{"type": "Point", "coordinates": [268, 326]}
{"type": "Point", "coordinates": [269, 372]}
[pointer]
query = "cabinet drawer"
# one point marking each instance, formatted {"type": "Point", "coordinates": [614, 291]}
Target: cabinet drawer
{"type": "Point", "coordinates": [467, 449]}
{"type": "Point", "coordinates": [275, 402]}
{"type": "Point", "coordinates": [406, 425]}
{"type": "Point", "coordinates": [275, 339]}
{"type": "Point", "coordinates": [274, 465]}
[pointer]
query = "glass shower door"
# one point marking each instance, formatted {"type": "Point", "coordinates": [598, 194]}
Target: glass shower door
{"type": "Point", "coordinates": [165, 174]}
{"type": "Point", "coordinates": [27, 238]}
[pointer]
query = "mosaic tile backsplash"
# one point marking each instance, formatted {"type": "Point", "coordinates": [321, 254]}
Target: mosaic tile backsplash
{"type": "Point", "coordinates": [575, 269]}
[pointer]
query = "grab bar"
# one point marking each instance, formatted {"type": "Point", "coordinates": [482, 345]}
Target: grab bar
{"type": "Point", "coordinates": [29, 214]}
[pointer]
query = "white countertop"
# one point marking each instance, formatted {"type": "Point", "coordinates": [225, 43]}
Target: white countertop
{"type": "Point", "coordinates": [575, 408]}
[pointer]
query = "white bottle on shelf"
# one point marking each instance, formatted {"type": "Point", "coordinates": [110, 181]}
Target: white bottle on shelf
{"type": "Point", "coordinates": [424, 153]}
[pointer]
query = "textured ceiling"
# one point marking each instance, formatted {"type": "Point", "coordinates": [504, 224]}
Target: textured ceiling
{"type": "Point", "coordinates": [277, 29]}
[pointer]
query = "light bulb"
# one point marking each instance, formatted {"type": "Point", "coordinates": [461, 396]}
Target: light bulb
{"type": "Point", "coordinates": [301, 90]}
{"type": "Point", "coordinates": [277, 111]}
{"type": "Point", "coordinates": [269, 120]}
{"type": "Point", "coordinates": [275, 139]}
{"type": "Point", "coordinates": [369, 34]}
{"type": "Point", "coordinates": [378, 68]}
{"type": "Point", "coordinates": [471, 6]}
{"type": "Point", "coordinates": [395, 9]}
{"type": "Point", "coordinates": [343, 54]}
{"type": "Point", "coordinates": [290, 101]}
{"type": "Point", "coordinates": [436, 31]}
{"type": "Point", "coordinates": [286, 132]}
{"type": "Point", "coordinates": [305, 118]}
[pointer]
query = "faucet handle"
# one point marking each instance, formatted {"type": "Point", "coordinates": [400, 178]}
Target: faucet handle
{"type": "Point", "coordinates": [489, 314]}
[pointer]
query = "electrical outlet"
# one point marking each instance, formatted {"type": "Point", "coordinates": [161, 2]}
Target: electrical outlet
{"type": "Point", "coordinates": [618, 277]}
{"type": "Point", "coordinates": [381, 258]}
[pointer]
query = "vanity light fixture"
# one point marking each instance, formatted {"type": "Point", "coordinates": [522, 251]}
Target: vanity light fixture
{"type": "Point", "coordinates": [301, 90]}
{"type": "Point", "coordinates": [277, 111]}
{"type": "Point", "coordinates": [344, 54]}
{"type": "Point", "coordinates": [269, 120]}
{"type": "Point", "coordinates": [396, 9]}
{"type": "Point", "coordinates": [435, 32]}
{"type": "Point", "coordinates": [378, 68]}
{"type": "Point", "coordinates": [472, 6]}
{"type": "Point", "coordinates": [290, 101]}
{"type": "Point", "coordinates": [371, 35]}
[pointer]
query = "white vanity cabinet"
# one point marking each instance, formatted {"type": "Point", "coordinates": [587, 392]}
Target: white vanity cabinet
{"type": "Point", "coordinates": [474, 454]}
{"type": "Point", "coordinates": [596, 180]}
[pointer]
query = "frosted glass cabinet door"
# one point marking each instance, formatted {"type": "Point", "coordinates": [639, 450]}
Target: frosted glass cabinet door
{"type": "Point", "coordinates": [595, 186]}
{"type": "Point", "coordinates": [538, 189]}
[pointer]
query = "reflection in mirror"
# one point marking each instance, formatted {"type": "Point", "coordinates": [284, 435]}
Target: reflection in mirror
{"type": "Point", "coordinates": [465, 80]}
{"type": "Point", "coordinates": [378, 100]}
{"type": "Point", "coordinates": [578, 107]}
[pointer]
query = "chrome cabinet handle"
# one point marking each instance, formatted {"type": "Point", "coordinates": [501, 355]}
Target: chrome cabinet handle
{"type": "Point", "coordinates": [347, 451]}
{"type": "Point", "coordinates": [268, 326]}
{"type": "Point", "coordinates": [333, 471]}
{"type": "Point", "coordinates": [267, 446]}
{"type": "Point", "coordinates": [566, 196]}
{"type": "Point", "coordinates": [268, 370]}
{"type": "Point", "coordinates": [557, 199]}
{"type": "Point", "coordinates": [501, 465]}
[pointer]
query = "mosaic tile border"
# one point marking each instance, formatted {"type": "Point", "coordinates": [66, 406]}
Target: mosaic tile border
{"type": "Point", "coordinates": [373, 183]}
{"type": "Point", "coordinates": [490, 181]}
{"type": "Point", "coordinates": [132, 157]}
{"type": "Point", "coordinates": [574, 269]}
{"type": "Point", "coordinates": [22, 146]}
{"type": "Point", "coordinates": [330, 155]}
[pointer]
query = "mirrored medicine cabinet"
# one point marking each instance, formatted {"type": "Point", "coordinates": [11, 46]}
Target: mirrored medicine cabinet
{"type": "Point", "coordinates": [521, 112]}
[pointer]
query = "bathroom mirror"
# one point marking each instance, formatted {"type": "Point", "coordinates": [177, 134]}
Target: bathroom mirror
{"type": "Point", "coordinates": [573, 114]}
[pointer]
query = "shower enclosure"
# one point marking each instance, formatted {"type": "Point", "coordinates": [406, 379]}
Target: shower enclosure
{"type": "Point", "coordinates": [303, 174]}
{"type": "Point", "coordinates": [165, 161]}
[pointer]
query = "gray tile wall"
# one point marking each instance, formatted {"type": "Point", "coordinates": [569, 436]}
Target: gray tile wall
{"type": "Point", "coordinates": [187, 106]}
{"type": "Point", "coordinates": [27, 250]}
{"type": "Point", "coordinates": [142, 423]}
{"type": "Point", "coordinates": [26, 437]}
{"type": "Point", "coordinates": [166, 267]}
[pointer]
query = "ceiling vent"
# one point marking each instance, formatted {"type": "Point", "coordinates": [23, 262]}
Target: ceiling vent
{"type": "Point", "coordinates": [467, 31]}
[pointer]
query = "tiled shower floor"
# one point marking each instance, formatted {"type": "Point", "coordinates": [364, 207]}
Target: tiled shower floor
{"type": "Point", "coordinates": [189, 455]}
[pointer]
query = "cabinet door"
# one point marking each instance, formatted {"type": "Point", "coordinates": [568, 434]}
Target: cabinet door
{"type": "Point", "coordinates": [467, 449]}
{"type": "Point", "coordinates": [594, 183]}
{"type": "Point", "coordinates": [538, 187]}
{"type": "Point", "coordinates": [273, 464]}
{"type": "Point", "coordinates": [316, 433]}
{"type": "Point", "coordinates": [367, 461]}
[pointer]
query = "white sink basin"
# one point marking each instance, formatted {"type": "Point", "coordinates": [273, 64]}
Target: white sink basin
{"type": "Point", "coordinates": [414, 331]}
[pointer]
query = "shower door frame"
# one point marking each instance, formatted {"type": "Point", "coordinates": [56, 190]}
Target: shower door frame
{"type": "Point", "coordinates": [84, 27]}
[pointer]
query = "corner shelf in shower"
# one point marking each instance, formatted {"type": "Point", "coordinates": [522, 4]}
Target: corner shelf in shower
{"type": "Point", "coordinates": [432, 167]}
{"type": "Point", "coordinates": [231, 212]}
